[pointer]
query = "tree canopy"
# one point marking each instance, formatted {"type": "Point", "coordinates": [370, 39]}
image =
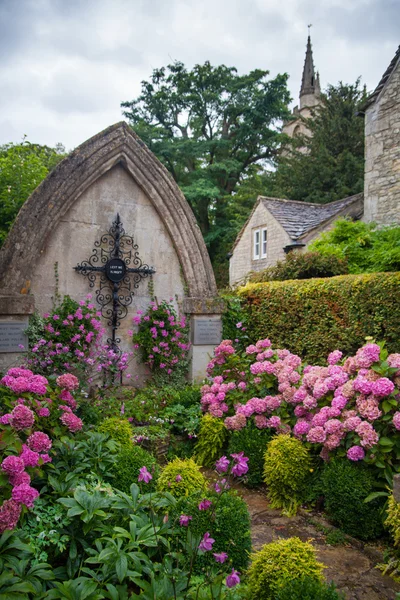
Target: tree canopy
{"type": "Point", "coordinates": [210, 127]}
{"type": "Point", "coordinates": [329, 165]}
{"type": "Point", "coordinates": [22, 167]}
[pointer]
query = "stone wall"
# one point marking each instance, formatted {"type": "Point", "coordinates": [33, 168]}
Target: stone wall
{"type": "Point", "coordinates": [242, 261]}
{"type": "Point", "coordinates": [382, 155]}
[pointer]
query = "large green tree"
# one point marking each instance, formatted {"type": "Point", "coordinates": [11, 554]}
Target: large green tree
{"type": "Point", "coordinates": [329, 165]}
{"type": "Point", "coordinates": [22, 167]}
{"type": "Point", "coordinates": [210, 127]}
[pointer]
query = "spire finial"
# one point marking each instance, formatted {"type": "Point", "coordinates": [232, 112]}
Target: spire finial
{"type": "Point", "coordinates": [309, 28]}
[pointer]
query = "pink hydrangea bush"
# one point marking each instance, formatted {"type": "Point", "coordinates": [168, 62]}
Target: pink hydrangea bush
{"type": "Point", "coordinates": [161, 339]}
{"type": "Point", "coordinates": [350, 407]}
{"type": "Point", "coordinates": [34, 413]}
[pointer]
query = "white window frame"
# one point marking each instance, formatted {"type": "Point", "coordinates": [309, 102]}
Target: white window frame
{"type": "Point", "coordinates": [256, 244]}
{"type": "Point", "coordinates": [263, 242]}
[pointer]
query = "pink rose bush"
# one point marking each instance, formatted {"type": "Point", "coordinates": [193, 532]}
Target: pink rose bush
{"type": "Point", "coordinates": [35, 412]}
{"type": "Point", "coordinates": [350, 407]}
{"type": "Point", "coordinates": [161, 339]}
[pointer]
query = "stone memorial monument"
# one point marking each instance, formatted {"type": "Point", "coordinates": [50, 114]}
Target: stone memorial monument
{"type": "Point", "coordinates": [111, 181]}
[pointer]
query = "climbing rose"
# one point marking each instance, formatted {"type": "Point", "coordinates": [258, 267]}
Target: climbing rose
{"type": "Point", "coordinates": [355, 453]}
{"type": "Point", "coordinates": [22, 417]}
{"type": "Point", "coordinates": [144, 475]}
{"type": "Point", "coordinates": [13, 465]}
{"type": "Point", "coordinates": [206, 543]}
{"type": "Point", "coordinates": [184, 520]}
{"type": "Point", "coordinates": [233, 579]}
{"type": "Point", "coordinates": [67, 381]}
{"type": "Point", "coordinates": [10, 512]}
{"type": "Point", "coordinates": [220, 557]}
{"type": "Point", "coordinates": [25, 494]}
{"type": "Point", "coordinates": [39, 442]}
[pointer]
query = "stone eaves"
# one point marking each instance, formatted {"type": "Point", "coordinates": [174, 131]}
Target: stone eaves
{"type": "Point", "coordinates": [384, 79]}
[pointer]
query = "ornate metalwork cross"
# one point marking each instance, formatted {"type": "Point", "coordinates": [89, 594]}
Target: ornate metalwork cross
{"type": "Point", "coordinates": [111, 258]}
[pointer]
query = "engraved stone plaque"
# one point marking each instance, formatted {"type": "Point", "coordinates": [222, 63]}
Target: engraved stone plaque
{"type": "Point", "coordinates": [12, 336]}
{"type": "Point", "coordinates": [207, 331]}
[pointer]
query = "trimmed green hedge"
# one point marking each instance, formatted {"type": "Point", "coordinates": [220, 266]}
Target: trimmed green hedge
{"type": "Point", "coordinates": [313, 317]}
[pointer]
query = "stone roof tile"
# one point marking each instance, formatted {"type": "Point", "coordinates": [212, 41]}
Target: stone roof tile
{"type": "Point", "coordinates": [372, 97]}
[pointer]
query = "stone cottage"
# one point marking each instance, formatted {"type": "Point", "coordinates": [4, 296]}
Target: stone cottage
{"type": "Point", "coordinates": [277, 226]}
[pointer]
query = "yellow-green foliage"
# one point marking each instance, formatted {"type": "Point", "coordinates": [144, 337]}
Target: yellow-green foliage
{"type": "Point", "coordinates": [212, 436]}
{"type": "Point", "coordinates": [118, 429]}
{"type": "Point", "coordinates": [393, 520]}
{"type": "Point", "coordinates": [279, 562]}
{"type": "Point", "coordinates": [286, 466]}
{"type": "Point", "coordinates": [315, 316]}
{"type": "Point", "coordinates": [188, 470]}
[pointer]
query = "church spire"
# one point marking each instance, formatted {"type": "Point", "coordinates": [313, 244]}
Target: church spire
{"type": "Point", "coordinates": [308, 79]}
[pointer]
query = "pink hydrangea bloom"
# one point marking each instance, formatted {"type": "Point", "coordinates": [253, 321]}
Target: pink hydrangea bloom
{"type": "Point", "coordinates": [396, 420]}
{"type": "Point", "coordinates": [368, 435]}
{"type": "Point", "coordinates": [43, 412]}
{"type": "Point", "coordinates": [301, 428]}
{"type": "Point", "coordinates": [39, 442]}
{"type": "Point", "coordinates": [25, 494]}
{"type": "Point", "coordinates": [260, 422]}
{"type": "Point", "coordinates": [67, 382]}
{"type": "Point", "coordinates": [29, 457]}
{"type": "Point", "coordinates": [316, 435]}
{"type": "Point", "coordinates": [71, 421]}
{"type": "Point", "coordinates": [10, 512]}
{"type": "Point", "coordinates": [355, 453]}
{"type": "Point", "coordinates": [19, 479]}
{"type": "Point", "coordinates": [5, 419]}
{"type": "Point", "coordinates": [334, 357]}
{"type": "Point", "coordinates": [274, 422]}
{"type": "Point", "coordinates": [13, 465]}
{"type": "Point", "coordinates": [22, 417]}
{"type": "Point", "coordinates": [382, 387]}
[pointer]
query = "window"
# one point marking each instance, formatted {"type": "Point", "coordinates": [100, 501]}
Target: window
{"type": "Point", "coordinates": [256, 244]}
{"type": "Point", "coordinates": [264, 242]}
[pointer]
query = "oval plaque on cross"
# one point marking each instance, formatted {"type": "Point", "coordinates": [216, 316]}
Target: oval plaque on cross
{"type": "Point", "coordinates": [115, 270]}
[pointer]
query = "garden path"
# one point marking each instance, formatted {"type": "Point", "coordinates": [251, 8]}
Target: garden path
{"type": "Point", "coordinates": [350, 565]}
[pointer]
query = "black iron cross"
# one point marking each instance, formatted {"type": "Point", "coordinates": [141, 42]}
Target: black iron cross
{"type": "Point", "coordinates": [114, 253]}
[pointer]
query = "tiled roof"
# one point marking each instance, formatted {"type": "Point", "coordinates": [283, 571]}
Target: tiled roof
{"type": "Point", "coordinates": [297, 218]}
{"type": "Point", "coordinates": [372, 97]}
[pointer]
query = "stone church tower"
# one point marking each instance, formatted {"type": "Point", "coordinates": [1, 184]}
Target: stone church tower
{"type": "Point", "coordinates": [310, 97]}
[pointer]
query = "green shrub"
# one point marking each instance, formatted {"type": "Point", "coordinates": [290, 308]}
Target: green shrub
{"type": "Point", "coordinates": [212, 436]}
{"type": "Point", "coordinates": [118, 429]}
{"type": "Point", "coordinates": [191, 478]}
{"type": "Point", "coordinates": [393, 520]}
{"type": "Point", "coordinates": [278, 563]}
{"type": "Point", "coordinates": [307, 588]}
{"type": "Point", "coordinates": [302, 265]}
{"type": "Point", "coordinates": [345, 486]}
{"type": "Point", "coordinates": [126, 469]}
{"type": "Point", "coordinates": [253, 442]}
{"type": "Point", "coordinates": [286, 467]}
{"type": "Point", "coordinates": [314, 317]}
{"type": "Point", "coordinates": [227, 521]}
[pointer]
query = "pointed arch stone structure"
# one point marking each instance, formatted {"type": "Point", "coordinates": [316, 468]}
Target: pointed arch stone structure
{"type": "Point", "coordinates": [114, 157]}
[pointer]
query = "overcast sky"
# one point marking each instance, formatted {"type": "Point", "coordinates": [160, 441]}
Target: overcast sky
{"type": "Point", "coordinates": [65, 65]}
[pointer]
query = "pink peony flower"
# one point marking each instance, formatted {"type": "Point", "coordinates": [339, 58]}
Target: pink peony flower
{"type": "Point", "coordinates": [10, 512]}
{"type": "Point", "coordinates": [206, 543]}
{"type": "Point", "coordinates": [39, 442]}
{"type": "Point", "coordinates": [25, 494]}
{"type": "Point", "coordinates": [22, 417]}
